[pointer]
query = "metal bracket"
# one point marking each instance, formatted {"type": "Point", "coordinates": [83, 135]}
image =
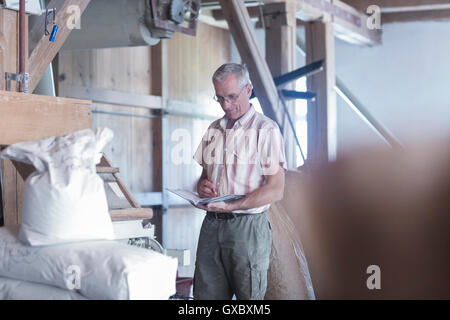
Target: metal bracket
{"type": "Point", "coordinates": [164, 24]}
{"type": "Point", "coordinates": [21, 78]}
{"type": "Point", "coordinates": [304, 71]}
{"type": "Point", "coordinates": [47, 13]}
{"type": "Point", "coordinates": [292, 94]}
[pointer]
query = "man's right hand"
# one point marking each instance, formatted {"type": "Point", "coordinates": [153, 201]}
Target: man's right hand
{"type": "Point", "coordinates": [207, 189]}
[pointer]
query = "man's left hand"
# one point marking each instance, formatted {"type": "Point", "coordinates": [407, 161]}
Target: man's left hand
{"type": "Point", "coordinates": [217, 207]}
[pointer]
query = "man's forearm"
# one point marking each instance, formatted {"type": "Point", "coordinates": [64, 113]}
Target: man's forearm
{"type": "Point", "coordinates": [263, 195]}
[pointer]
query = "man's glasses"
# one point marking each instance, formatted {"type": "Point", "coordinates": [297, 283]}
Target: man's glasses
{"type": "Point", "coordinates": [230, 98]}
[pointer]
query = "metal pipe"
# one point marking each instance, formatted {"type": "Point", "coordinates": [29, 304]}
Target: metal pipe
{"type": "Point", "coordinates": [22, 37]}
{"type": "Point", "coordinates": [292, 94]}
{"type": "Point", "coordinates": [124, 114]}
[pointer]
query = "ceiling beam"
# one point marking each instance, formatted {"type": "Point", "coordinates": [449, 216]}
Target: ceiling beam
{"type": "Point", "coordinates": [44, 50]}
{"type": "Point", "coordinates": [400, 5]}
{"type": "Point", "coordinates": [253, 12]}
{"type": "Point", "coordinates": [349, 24]}
{"type": "Point", "coordinates": [429, 15]}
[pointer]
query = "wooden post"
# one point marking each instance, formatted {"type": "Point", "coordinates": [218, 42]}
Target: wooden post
{"type": "Point", "coordinates": [9, 43]}
{"type": "Point", "coordinates": [44, 51]}
{"type": "Point", "coordinates": [243, 33]}
{"type": "Point", "coordinates": [321, 115]}
{"type": "Point", "coordinates": [280, 27]}
{"type": "Point", "coordinates": [159, 87]}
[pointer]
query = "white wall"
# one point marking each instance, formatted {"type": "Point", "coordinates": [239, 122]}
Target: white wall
{"type": "Point", "coordinates": [405, 84]}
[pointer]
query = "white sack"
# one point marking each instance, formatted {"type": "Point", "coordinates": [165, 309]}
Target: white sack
{"type": "Point", "coordinates": [64, 199]}
{"type": "Point", "coordinates": [103, 269]}
{"type": "Point", "coordinates": [11, 289]}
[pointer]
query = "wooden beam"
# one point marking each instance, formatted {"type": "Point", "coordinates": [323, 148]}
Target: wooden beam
{"type": "Point", "coordinates": [429, 15]}
{"type": "Point", "coordinates": [365, 115]}
{"type": "Point", "coordinates": [27, 117]}
{"type": "Point", "coordinates": [350, 24]}
{"type": "Point", "coordinates": [9, 44]}
{"type": "Point", "coordinates": [104, 162]}
{"type": "Point", "coordinates": [131, 214]}
{"type": "Point", "coordinates": [321, 116]}
{"type": "Point", "coordinates": [44, 50]}
{"type": "Point", "coordinates": [9, 193]}
{"type": "Point", "coordinates": [244, 36]}
{"type": "Point", "coordinates": [280, 26]}
{"type": "Point", "coordinates": [111, 96]}
{"type": "Point", "coordinates": [399, 5]}
{"type": "Point", "coordinates": [253, 12]}
{"type": "Point", "coordinates": [100, 169]}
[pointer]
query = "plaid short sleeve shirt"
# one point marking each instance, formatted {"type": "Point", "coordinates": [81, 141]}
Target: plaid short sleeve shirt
{"type": "Point", "coordinates": [237, 159]}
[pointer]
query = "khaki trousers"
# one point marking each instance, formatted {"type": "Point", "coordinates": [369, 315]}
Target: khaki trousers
{"type": "Point", "coordinates": [233, 258]}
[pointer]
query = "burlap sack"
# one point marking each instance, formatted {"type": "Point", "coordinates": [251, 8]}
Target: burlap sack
{"type": "Point", "coordinates": [288, 276]}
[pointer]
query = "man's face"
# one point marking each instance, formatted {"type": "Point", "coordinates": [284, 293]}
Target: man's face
{"type": "Point", "coordinates": [229, 90]}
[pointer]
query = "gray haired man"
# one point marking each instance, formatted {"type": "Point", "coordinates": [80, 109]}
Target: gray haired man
{"type": "Point", "coordinates": [241, 153]}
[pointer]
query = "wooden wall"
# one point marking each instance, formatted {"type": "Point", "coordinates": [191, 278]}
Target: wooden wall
{"type": "Point", "coordinates": [9, 62]}
{"type": "Point", "coordinates": [183, 73]}
{"type": "Point", "coordinates": [191, 65]}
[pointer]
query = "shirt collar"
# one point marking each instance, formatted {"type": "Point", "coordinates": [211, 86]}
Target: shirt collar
{"type": "Point", "coordinates": [242, 120]}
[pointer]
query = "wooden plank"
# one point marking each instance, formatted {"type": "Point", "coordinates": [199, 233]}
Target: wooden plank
{"type": "Point", "coordinates": [9, 30]}
{"type": "Point", "coordinates": [20, 186]}
{"type": "Point", "coordinates": [365, 115]}
{"type": "Point", "coordinates": [107, 169]}
{"type": "Point", "coordinates": [253, 12]}
{"type": "Point", "coordinates": [105, 162]}
{"type": "Point", "coordinates": [44, 51]}
{"type": "Point", "coordinates": [31, 117]}
{"type": "Point", "coordinates": [156, 65]}
{"type": "Point", "coordinates": [398, 5]}
{"type": "Point", "coordinates": [131, 214]}
{"type": "Point", "coordinates": [355, 29]}
{"type": "Point", "coordinates": [244, 35]}
{"type": "Point", "coordinates": [321, 116]}
{"type": "Point", "coordinates": [112, 96]}
{"type": "Point", "coordinates": [429, 15]}
{"type": "Point", "coordinates": [350, 24]}
{"type": "Point", "coordinates": [9, 182]}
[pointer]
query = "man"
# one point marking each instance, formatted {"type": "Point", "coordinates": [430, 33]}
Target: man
{"type": "Point", "coordinates": [241, 153]}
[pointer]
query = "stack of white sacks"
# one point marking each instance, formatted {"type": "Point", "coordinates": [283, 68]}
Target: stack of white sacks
{"type": "Point", "coordinates": [64, 247]}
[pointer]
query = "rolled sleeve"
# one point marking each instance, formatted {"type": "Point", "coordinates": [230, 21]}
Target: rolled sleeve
{"type": "Point", "coordinates": [271, 151]}
{"type": "Point", "coordinates": [198, 155]}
